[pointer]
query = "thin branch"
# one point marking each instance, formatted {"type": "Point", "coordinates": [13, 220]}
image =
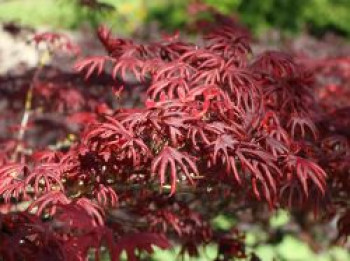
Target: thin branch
{"type": "Point", "coordinates": [28, 105]}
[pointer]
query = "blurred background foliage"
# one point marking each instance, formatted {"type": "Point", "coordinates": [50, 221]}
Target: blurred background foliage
{"type": "Point", "coordinates": [285, 247]}
{"type": "Point", "coordinates": [125, 16]}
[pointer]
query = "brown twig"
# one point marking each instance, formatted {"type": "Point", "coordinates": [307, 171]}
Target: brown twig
{"type": "Point", "coordinates": [28, 105]}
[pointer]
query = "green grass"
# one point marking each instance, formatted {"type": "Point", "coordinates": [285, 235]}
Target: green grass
{"type": "Point", "coordinates": [38, 13]}
{"type": "Point", "coordinates": [66, 14]}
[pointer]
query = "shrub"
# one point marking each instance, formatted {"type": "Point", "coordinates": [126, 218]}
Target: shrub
{"type": "Point", "coordinates": [220, 131]}
{"type": "Point", "coordinates": [291, 16]}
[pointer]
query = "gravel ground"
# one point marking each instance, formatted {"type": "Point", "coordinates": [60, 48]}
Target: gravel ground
{"type": "Point", "coordinates": [18, 54]}
{"type": "Point", "coordinates": [14, 52]}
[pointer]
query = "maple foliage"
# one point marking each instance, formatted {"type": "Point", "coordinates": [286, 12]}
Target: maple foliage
{"type": "Point", "coordinates": [217, 124]}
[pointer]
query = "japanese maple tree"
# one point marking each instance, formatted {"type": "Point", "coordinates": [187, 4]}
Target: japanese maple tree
{"type": "Point", "coordinates": [218, 130]}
